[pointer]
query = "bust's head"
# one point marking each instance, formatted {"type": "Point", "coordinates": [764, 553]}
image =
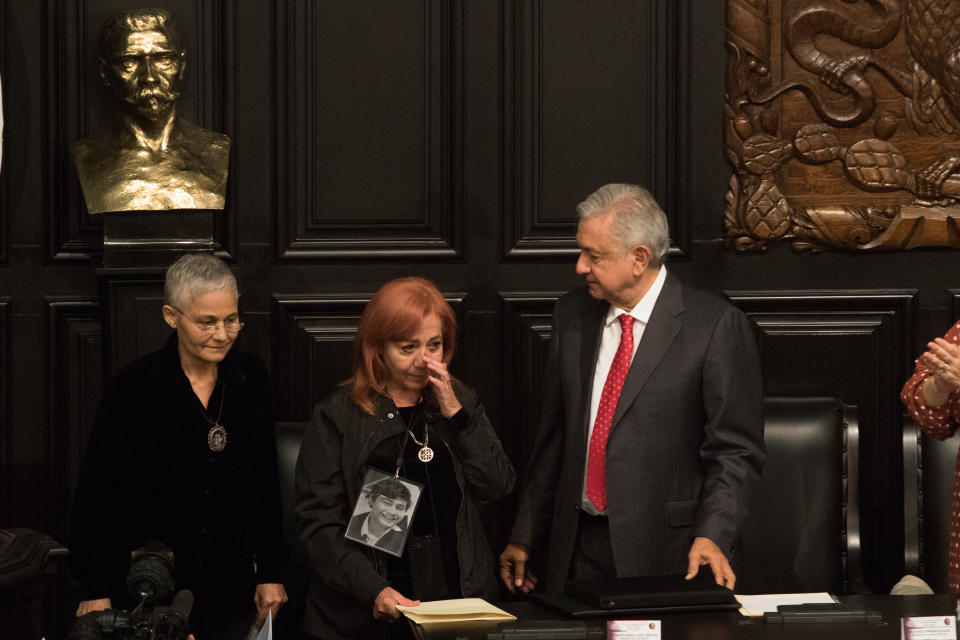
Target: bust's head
{"type": "Point", "coordinates": [142, 59]}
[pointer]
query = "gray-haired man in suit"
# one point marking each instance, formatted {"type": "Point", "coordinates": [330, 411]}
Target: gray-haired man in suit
{"type": "Point", "coordinates": [651, 429]}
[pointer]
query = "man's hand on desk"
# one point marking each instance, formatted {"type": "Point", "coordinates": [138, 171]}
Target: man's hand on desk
{"type": "Point", "coordinates": [513, 568]}
{"type": "Point", "coordinates": [703, 551]}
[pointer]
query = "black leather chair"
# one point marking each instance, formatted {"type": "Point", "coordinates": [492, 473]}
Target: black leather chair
{"type": "Point", "coordinates": [803, 531]}
{"type": "Point", "coordinates": [928, 470]}
{"type": "Point", "coordinates": [289, 436]}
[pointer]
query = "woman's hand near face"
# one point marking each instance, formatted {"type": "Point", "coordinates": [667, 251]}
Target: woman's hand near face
{"type": "Point", "coordinates": [385, 604]}
{"type": "Point", "coordinates": [439, 379]}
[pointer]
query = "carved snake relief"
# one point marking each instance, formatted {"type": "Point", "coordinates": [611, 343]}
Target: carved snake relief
{"type": "Point", "coordinates": [843, 74]}
{"type": "Point", "coordinates": [933, 37]}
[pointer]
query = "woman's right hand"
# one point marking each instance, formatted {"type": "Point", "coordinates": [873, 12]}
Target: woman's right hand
{"type": "Point", "coordinates": [385, 604]}
{"type": "Point", "coordinates": [86, 606]}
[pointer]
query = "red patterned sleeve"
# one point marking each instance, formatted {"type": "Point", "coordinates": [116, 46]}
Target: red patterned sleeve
{"type": "Point", "coordinates": [939, 422]}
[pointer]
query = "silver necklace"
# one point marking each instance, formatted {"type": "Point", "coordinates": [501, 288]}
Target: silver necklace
{"type": "Point", "coordinates": [217, 436]}
{"type": "Point", "coordinates": [426, 453]}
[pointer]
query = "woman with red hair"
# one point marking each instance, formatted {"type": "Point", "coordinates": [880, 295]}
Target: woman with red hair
{"type": "Point", "coordinates": [403, 415]}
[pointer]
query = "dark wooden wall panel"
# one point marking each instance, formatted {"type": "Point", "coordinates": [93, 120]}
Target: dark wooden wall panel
{"type": "Point", "coordinates": [579, 113]}
{"type": "Point", "coordinates": [851, 345]}
{"type": "Point", "coordinates": [77, 104]}
{"type": "Point", "coordinates": [527, 319]}
{"type": "Point", "coordinates": [6, 382]}
{"type": "Point", "coordinates": [313, 348]}
{"type": "Point", "coordinates": [131, 303]}
{"type": "Point", "coordinates": [74, 386]}
{"type": "Point", "coordinates": [313, 351]}
{"type": "Point", "coordinates": [367, 165]}
{"type": "Point", "coordinates": [4, 156]}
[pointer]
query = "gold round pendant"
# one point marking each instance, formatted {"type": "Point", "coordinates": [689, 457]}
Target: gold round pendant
{"type": "Point", "coordinates": [425, 454]}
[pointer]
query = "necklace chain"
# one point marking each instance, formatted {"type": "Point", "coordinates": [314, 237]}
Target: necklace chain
{"type": "Point", "coordinates": [203, 413]}
{"type": "Point", "coordinates": [426, 436]}
{"type": "Point", "coordinates": [217, 436]}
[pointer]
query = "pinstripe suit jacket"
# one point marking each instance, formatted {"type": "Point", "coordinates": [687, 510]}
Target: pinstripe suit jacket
{"type": "Point", "coordinates": [685, 445]}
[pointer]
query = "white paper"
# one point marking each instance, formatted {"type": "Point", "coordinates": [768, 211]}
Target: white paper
{"type": "Point", "coordinates": [265, 632]}
{"type": "Point", "coordinates": [758, 604]}
{"type": "Point", "coordinates": [928, 628]}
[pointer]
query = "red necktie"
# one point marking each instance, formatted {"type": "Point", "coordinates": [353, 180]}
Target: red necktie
{"type": "Point", "coordinates": [597, 460]}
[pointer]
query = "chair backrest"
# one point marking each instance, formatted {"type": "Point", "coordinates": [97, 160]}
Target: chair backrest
{"type": "Point", "coordinates": [289, 436]}
{"type": "Point", "coordinates": [928, 477]}
{"type": "Point", "coordinates": [802, 533]}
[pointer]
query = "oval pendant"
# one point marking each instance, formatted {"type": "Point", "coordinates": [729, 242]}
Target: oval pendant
{"type": "Point", "coordinates": [425, 454]}
{"type": "Point", "coordinates": [217, 438]}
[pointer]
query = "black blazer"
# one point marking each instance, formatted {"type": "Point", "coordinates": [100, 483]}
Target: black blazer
{"type": "Point", "coordinates": [685, 446]}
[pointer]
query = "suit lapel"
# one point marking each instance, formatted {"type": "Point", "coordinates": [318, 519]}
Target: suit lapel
{"type": "Point", "coordinates": [664, 325]}
{"type": "Point", "coordinates": [594, 312]}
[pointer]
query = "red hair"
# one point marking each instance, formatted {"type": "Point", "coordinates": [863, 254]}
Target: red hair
{"type": "Point", "coordinates": [395, 313]}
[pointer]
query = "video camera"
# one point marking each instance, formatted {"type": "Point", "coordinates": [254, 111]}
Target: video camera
{"type": "Point", "coordinates": [150, 580]}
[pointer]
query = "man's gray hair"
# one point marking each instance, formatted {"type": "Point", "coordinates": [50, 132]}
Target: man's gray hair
{"type": "Point", "coordinates": [196, 274]}
{"type": "Point", "coordinates": [637, 218]}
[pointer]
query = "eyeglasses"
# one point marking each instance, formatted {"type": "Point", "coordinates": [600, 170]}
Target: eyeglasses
{"type": "Point", "coordinates": [210, 326]}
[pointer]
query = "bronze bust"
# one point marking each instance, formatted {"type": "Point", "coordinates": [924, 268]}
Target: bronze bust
{"type": "Point", "coordinates": [156, 160]}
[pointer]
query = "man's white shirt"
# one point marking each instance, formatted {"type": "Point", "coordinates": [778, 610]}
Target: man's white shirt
{"type": "Point", "coordinates": [609, 343]}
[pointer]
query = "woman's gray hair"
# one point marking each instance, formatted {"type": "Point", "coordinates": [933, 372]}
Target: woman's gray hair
{"type": "Point", "coordinates": [638, 219]}
{"type": "Point", "coordinates": [196, 274]}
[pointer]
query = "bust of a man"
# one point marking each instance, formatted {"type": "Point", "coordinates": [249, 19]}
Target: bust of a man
{"type": "Point", "coordinates": [155, 160]}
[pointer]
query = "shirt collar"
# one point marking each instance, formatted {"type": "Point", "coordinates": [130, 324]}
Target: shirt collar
{"type": "Point", "coordinates": [641, 312]}
{"type": "Point", "coordinates": [371, 538]}
{"type": "Point", "coordinates": [168, 369]}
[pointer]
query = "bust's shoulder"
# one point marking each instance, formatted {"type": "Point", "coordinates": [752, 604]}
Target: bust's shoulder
{"type": "Point", "coordinates": [200, 138]}
{"type": "Point", "coordinates": [96, 146]}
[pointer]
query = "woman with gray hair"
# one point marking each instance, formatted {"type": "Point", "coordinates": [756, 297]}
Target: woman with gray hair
{"type": "Point", "coordinates": [182, 452]}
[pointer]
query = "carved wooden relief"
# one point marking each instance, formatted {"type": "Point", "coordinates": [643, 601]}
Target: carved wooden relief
{"type": "Point", "coordinates": [842, 120]}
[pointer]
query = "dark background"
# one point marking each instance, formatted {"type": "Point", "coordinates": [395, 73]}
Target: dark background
{"type": "Point", "coordinates": [445, 138]}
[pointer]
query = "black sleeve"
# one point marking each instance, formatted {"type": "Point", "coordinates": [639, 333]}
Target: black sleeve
{"type": "Point", "coordinates": [266, 513]}
{"type": "Point", "coordinates": [98, 538]}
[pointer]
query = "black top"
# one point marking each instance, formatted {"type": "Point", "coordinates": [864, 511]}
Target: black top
{"type": "Point", "coordinates": [150, 474]}
{"type": "Point", "coordinates": [439, 504]}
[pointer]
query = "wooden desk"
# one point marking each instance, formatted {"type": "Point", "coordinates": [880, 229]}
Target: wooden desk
{"type": "Point", "coordinates": [730, 625]}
